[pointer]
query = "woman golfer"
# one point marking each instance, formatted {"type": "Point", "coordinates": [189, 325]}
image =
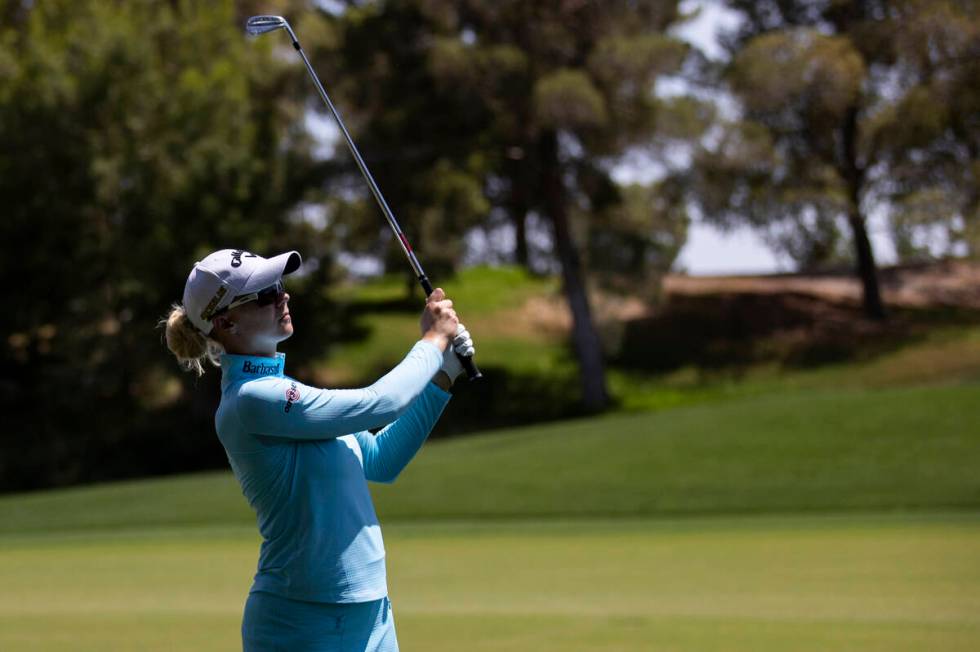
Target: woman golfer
{"type": "Point", "coordinates": [303, 455]}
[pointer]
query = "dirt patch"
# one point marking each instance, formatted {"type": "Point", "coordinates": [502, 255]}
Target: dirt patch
{"type": "Point", "coordinates": [549, 316]}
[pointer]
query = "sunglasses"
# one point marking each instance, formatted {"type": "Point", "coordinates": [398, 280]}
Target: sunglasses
{"type": "Point", "coordinates": [264, 297]}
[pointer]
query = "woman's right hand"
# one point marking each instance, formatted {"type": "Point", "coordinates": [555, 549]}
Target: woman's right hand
{"type": "Point", "coordinates": [439, 321]}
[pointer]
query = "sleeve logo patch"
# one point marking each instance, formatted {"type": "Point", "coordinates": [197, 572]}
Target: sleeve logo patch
{"type": "Point", "coordinates": [292, 395]}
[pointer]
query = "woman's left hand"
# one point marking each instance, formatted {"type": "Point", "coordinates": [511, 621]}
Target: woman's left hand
{"type": "Point", "coordinates": [461, 344]}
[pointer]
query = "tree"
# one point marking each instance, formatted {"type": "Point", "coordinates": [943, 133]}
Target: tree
{"type": "Point", "coordinates": [842, 112]}
{"type": "Point", "coordinates": [633, 239]}
{"type": "Point", "coordinates": [928, 137]}
{"type": "Point", "coordinates": [529, 102]}
{"type": "Point", "coordinates": [137, 137]}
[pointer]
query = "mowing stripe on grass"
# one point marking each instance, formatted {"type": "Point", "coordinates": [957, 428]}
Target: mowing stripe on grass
{"type": "Point", "coordinates": [755, 583]}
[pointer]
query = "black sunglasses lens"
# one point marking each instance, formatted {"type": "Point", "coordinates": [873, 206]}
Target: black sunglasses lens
{"type": "Point", "coordinates": [270, 294]}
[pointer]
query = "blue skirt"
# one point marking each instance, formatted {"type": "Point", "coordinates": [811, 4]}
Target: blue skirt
{"type": "Point", "coordinates": [274, 623]}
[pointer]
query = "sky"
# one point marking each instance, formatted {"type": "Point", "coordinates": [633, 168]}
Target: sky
{"type": "Point", "coordinates": [709, 250]}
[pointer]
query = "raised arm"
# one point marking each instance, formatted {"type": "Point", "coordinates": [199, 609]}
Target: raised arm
{"type": "Point", "coordinates": [385, 455]}
{"type": "Point", "coordinates": [283, 407]}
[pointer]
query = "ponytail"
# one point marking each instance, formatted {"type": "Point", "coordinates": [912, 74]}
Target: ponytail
{"type": "Point", "coordinates": [190, 346]}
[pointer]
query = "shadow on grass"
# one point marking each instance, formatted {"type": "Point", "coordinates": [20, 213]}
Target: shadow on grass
{"type": "Point", "coordinates": [797, 330]}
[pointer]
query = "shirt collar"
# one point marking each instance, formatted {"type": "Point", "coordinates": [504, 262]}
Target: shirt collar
{"type": "Point", "coordinates": [248, 367]}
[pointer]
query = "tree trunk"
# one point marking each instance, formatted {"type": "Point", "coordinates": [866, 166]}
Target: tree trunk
{"type": "Point", "coordinates": [585, 338]}
{"type": "Point", "coordinates": [866, 269]}
{"type": "Point", "coordinates": [520, 232]}
{"type": "Point", "coordinates": [854, 176]}
{"type": "Point", "coordinates": [517, 205]}
{"type": "Point", "coordinates": [971, 209]}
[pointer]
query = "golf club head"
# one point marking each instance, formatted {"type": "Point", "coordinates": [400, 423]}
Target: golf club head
{"type": "Point", "coordinates": [261, 24]}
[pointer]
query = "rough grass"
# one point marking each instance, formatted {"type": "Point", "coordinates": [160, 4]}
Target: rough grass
{"type": "Point", "coordinates": [945, 356]}
{"type": "Point", "coordinates": [896, 448]}
{"type": "Point", "coordinates": [909, 448]}
{"type": "Point", "coordinates": [475, 291]}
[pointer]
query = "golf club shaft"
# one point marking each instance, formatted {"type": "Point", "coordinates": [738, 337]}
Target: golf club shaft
{"type": "Point", "coordinates": [469, 366]}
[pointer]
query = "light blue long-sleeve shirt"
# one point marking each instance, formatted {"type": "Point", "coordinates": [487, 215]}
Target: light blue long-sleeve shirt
{"type": "Point", "coordinates": [303, 456]}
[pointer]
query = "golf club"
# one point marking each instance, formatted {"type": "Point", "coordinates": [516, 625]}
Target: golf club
{"type": "Point", "coordinates": [257, 25]}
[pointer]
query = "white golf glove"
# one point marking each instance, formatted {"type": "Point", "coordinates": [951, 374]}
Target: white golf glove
{"type": "Point", "coordinates": [461, 344]}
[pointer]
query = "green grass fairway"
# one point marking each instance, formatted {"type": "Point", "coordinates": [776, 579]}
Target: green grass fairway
{"type": "Point", "coordinates": [888, 583]}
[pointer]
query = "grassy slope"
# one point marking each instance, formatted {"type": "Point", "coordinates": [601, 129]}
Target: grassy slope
{"type": "Point", "coordinates": [488, 300]}
{"type": "Point", "coordinates": [904, 448]}
{"type": "Point", "coordinates": [915, 448]}
{"type": "Point", "coordinates": [946, 355]}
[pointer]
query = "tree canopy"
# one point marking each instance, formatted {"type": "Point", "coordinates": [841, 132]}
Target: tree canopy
{"type": "Point", "coordinates": [478, 113]}
{"type": "Point", "coordinates": [848, 109]}
{"type": "Point", "coordinates": [137, 138]}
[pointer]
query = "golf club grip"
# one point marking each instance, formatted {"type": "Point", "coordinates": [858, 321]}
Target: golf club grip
{"type": "Point", "coordinates": [472, 373]}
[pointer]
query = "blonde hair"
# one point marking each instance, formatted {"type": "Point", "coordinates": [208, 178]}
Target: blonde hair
{"type": "Point", "coordinates": [189, 345]}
